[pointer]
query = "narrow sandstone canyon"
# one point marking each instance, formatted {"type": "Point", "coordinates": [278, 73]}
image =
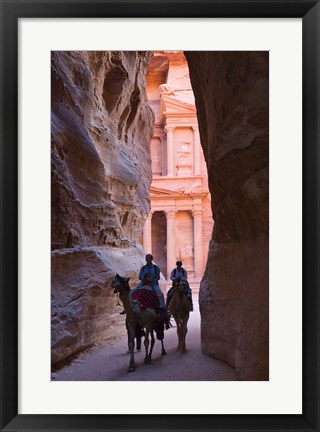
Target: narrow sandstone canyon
{"type": "Point", "coordinates": [232, 98]}
{"type": "Point", "coordinates": [101, 129]}
{"type": "Point", "coordinates": [101, 175]}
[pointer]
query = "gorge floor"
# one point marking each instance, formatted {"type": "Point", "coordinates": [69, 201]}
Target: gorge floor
{"type": "Point", "coordinates": [109, 361]}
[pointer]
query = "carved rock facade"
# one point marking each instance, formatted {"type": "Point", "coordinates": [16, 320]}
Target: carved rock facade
{"type": "Point", "coordinates": [180, 225]}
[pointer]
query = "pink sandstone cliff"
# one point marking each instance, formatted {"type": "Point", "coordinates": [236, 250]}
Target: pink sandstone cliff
{"type": "Point", "coordinates": [101, 128]}
{"type": "Point", "coordinates": [231, 92]}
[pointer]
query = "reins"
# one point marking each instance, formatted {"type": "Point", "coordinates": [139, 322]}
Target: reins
{"type": "Point", "coordinates": [124, 285]}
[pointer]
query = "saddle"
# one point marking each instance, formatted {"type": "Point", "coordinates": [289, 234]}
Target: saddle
{"type": "Point", "coordinates": [146, 297]}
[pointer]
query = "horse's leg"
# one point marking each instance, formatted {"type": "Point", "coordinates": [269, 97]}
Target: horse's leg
{"type": "Point", "coordinates": [146, 346]}
{"type": "Point", "coordinates": [178, 329]}
{"type": "Point", "coordinates": [138, 339]}
{"type": "Point", "coordinates": [183, 337]}
{"type": "Point", "coordinates": [152, 345]}
{"type": "Point", "coordinates": [132, 365]}
{"type": "Point", "coordinates": [163, 351]}
{"type": "Point", "coordinates": [185, 331]}
{"type": "Point", "coordinates": [174, 318]}
{"type": "Point", "coordinates": [179, 335]}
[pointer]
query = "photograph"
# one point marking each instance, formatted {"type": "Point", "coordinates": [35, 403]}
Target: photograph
{"type": "Point", "coordinates": [160, 215]}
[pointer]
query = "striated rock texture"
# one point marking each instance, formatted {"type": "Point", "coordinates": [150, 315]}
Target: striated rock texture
{"type": "Point", "coordinates": [101, 128]}
{"type": "Point", "coordinates": [84, 308]}
{"type": "Point", "coordinates": [231, 92]}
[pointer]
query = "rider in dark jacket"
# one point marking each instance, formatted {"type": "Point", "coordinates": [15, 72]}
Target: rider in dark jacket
{"type": "Point", "coordinates": [180, 274]}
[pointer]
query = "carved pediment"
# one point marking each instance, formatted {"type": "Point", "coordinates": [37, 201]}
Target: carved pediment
{"type": "Point", "coordinates": [171, 106]}
{"type": "Point", "coordinates": [154, 192]}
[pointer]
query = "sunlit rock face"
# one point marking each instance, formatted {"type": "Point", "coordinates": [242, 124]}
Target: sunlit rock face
{"type": "Point", "coordinates": [84, 308]}
{"type": "Point", "coordinates": [231, 92]}
{"type": "Point", "coordinates": [101, 166]}
{"type": "Point", "coordinates": [101, 129]}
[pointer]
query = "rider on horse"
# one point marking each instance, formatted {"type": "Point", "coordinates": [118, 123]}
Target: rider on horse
{"type": "Point", "coordinates": [149, 276]}
{"type": "Point", "coordinates": [180, 274]}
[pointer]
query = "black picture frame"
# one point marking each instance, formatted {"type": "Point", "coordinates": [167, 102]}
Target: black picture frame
{"type": "Point", "coordinates": [11, 11]}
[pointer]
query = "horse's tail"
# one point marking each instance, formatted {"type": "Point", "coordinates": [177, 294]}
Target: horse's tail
{"type": "Point", "coordinates": [159, 329]}
{"type": "Point", "coordinates": [160, 334]}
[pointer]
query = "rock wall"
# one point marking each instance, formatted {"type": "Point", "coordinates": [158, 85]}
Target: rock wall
{"type": "Point", "coordinates": [101, 128]}
{"type": "Point", "coordinates": [231, 91]}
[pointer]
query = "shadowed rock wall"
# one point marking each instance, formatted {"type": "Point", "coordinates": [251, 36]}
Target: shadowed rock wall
{"type": "Point", "coordinates": [231, 93]}
{"type": "Point", "coordinates": [101, 128]}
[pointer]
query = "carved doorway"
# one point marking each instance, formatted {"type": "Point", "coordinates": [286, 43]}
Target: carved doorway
{"type": "Point", "coordinates": [184, 241]}
{"type": "Point", "coordinates": [159, 240]}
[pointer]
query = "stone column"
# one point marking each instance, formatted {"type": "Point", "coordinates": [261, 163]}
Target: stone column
{"type": "Point", "coordinates": [147, 234]}
{"type": "Point", "coordinates": [171, 241]}
{"type": "Point", "coordinates": [197, 243]}
{"type": "Point", "coordinates": [163, 156]}
{"type": "Point", "coordinates": [196, 151]}
{"type": "Point", "coordinates": [170, 150]}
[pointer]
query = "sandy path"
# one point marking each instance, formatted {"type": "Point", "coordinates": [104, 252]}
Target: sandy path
{"type": "Point", "coordinates": [109, 362]}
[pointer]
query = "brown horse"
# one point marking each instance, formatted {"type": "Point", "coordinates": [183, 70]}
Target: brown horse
{"type": "Point", "coordinates": [147, 318]}
{"type": "Point", "coordinates": [180, 308]}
